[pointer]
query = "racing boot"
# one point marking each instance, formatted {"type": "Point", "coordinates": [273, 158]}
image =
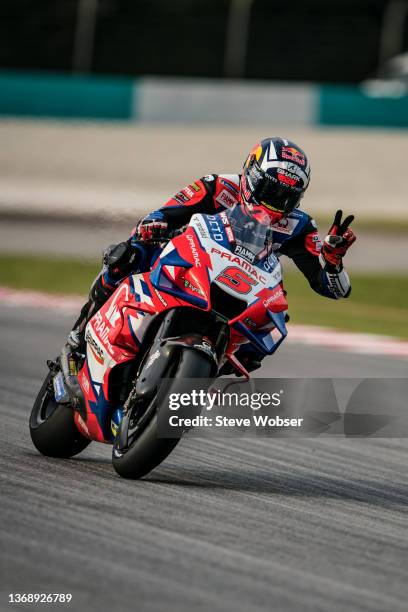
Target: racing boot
{"type": "Point", "coordinates": [99, 294]}
{"type": "Point", "coordinates": [76, 338]}
{"type": "Point", "coordinates": [118, 260]}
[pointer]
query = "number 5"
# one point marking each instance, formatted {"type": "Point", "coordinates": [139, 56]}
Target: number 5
{"type": "Point", "coordinates": [236, 279]}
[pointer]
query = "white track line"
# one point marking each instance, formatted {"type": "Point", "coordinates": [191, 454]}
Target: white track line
{"type": "Point", "coordinates": [366, 344]}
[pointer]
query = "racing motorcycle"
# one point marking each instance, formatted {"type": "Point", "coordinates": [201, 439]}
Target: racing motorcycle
{"type": "Point", "coordinates": [215, 286]}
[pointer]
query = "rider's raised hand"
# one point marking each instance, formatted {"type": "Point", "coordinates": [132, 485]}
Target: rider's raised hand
{"type": "Point", "coordinates": [338, 241]}
{"type": "Point", "coordinates": [152, 229]}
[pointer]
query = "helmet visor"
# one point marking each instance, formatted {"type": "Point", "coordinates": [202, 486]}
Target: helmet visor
{"type": "Point", "coordinates": [270, 193]}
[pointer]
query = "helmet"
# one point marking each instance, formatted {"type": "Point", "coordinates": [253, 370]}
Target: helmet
{"type": "Point", "coordinates": [275, 176]}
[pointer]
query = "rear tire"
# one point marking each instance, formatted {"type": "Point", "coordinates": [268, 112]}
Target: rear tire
{"type": "Point", "coordinates": [148, 450]}
{"type": "Point", "coordinates": [52, 427]}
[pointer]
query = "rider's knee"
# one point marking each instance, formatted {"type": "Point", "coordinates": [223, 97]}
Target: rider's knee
{"type": "Point", "coordinates": [118, 260]}
{"type": "Point", "coordinates": [102, 288]}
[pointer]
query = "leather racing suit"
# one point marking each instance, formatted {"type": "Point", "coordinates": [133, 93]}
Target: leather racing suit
{"type": "Point", "coordinates": [295, 236]}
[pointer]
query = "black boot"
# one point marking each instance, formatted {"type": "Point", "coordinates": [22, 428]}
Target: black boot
{"type": "Point", "coordinates": [76, 338]}
{"type": "Point", "coordinates": [118, 261]}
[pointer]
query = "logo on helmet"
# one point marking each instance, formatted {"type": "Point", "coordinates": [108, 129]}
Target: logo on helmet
{"type": "Point", "coordinates": [287, 178]}
{"type": "Point", "coordinates": [293, 155]}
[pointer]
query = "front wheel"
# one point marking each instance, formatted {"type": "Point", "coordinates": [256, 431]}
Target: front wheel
{"type": "Point", "coordinates": [148, 450]}
{"type": "Point", "coordinates": [52, 426]}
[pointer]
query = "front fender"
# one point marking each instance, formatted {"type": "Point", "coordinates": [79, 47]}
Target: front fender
{"type": "Point", "coordinates": [156, 364]}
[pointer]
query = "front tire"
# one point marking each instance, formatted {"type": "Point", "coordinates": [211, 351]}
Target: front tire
{"type": "Point", "coordinates": [148, 450]}
{"type": "Point", "coordinates": [52, 427]}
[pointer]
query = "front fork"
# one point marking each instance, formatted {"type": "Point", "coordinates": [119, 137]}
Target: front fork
{"type": "Point", "coordinates": [155, 364]}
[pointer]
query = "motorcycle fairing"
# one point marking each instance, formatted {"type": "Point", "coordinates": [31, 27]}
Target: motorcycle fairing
{"type": "Point", "coordinates": [181, 276]}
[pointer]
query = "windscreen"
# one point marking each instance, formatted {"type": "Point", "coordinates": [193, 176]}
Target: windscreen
{"type": "Point", "coordinates": [249, 233]}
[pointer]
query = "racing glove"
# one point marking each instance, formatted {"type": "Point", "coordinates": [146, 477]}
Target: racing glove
{"type": "Point", "coordinates": [337, 242]}
{"type": "Point", "coordinates": [152, 228]}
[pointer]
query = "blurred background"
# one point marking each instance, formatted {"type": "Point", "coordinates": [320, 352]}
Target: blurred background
{"type": "Point", "coordinates": [108, 107]}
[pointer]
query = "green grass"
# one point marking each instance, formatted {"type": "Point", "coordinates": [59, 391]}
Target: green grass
{"type": "Point", "coordinates": [378, 303]}
{"type": "Point", "coordinates": [367, 224]}
{"type": "Point", "coordinates": [53, 275]}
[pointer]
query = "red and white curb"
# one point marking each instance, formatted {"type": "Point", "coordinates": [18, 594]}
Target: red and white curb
{"type": "Point", "coordinates": [366, 344]}
{"type": "Point", "coordinates": [35, 299]}
{"type": "Point", "coordinates": [350, 342]}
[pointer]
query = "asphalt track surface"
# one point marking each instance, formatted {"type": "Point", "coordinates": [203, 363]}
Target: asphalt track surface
{"type": "Point", "coordinates": [238, 525]}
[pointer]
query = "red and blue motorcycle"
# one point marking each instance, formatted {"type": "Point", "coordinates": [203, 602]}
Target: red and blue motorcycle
{"type": "Point", "coordinates": [215, 286]}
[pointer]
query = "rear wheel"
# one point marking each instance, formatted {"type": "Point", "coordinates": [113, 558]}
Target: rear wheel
{"type": "Point", "coordinates": [148, 450]}
{"type": "Point", "coordinates": [52, 426]}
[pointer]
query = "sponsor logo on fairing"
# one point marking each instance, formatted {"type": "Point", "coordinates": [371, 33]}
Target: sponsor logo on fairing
{"type": "Point", "coordinates": [98, 352]}
{"type": "Point", "coordinates": [244, 252]}
{"type": "Point", "coordinates": [241, 262]}
{"type": "Point", "coordinates": [195, 186]}
{"type": "Point", "coordinates": [194, 251]}
{"type": "Point", "coordinates": [192, 287]}
{"type": "Point", "coordinates": [152, 359]}
{"type": "Point", "coordinates": [215, 227]}
{"type": "Point", "coordinates": [201, 229]}
{"type": "Point", "coordinates": [273, 298]}
{"type": "Point", "coordinates": [227, 227]}
{"type": "Point", "coordinates": [102, 329]}
{"type": "Point", "coordinates": [229, 233]}
{"type": "Point", "coordinates": [273, 267]}
{"type": "Point", "coordinates": [161, 298]}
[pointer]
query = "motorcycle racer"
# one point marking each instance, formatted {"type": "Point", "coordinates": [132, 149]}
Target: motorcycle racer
{"type": "Point", "coordinates": [275, 177]}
